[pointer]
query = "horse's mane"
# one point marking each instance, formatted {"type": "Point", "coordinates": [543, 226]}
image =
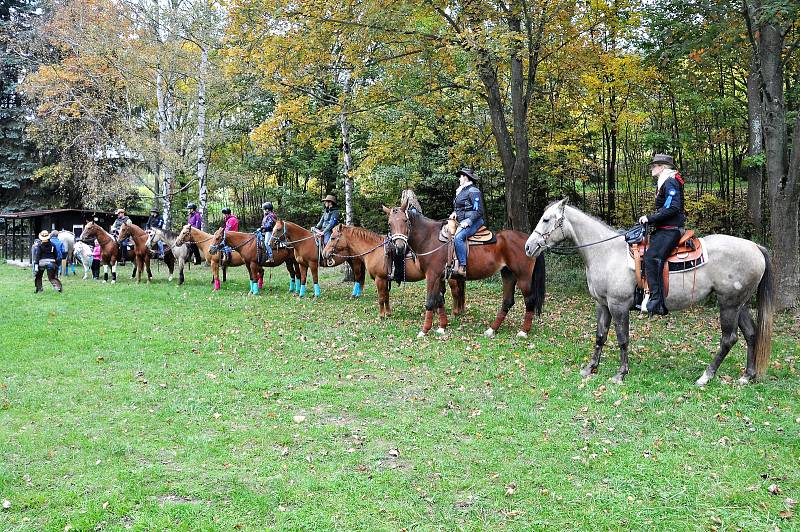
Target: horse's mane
{"type": "Point", "coordinates": [410, 197]}
{"type": "Point", "coordinates": [172, 235]}
{"type": "Point", "coordinates": [361, 232]}
{"type": "Point", "coordinates": [591, 217]}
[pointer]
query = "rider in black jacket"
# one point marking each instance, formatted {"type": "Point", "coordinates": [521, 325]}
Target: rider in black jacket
{"type": "Point", "coordinates": [667, 227]}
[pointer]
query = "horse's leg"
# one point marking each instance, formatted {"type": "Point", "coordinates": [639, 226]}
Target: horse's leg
{"type": "Point", "coordinates": [509, 285]}
{"type": "Point", "coordinates": [215, 274]}
{"type": "Point", "coordinates": [146, 261]}
{"type": "Point", "coordinates": [382, 287]}
{"type": "Point", "coordinates": [748, 328]}
{"type": "Point", "coordinates": [225, 273]}
{"type": "Point", "coordinates": [729, 322]}
{"type": "Point", "coordinates": [441, 310]}
{"type": "Point", "coordinates": [113, 272]}
{"type": "Point", "coordinates": [620, 313]}
{"type": "Point", "coordinates": [303, 277]}
{"type": "Point", "coordinates": [181, 264]}
{"type": "Point", "coordinates": [315, 276]}
{"type": "Point", "coordinates": [359, 273]}
{"type": "Point", "coordinates": [289, 268]}
{"type": "Point", "coordinates": [105, 273]}
{"type": "Point", "coordinates": [603, 323]}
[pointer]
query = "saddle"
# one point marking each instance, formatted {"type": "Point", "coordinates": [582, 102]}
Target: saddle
{"type": "Point", "coordinates": [688, 255]}
{"type": "Point", "coordinates": [481, 236]}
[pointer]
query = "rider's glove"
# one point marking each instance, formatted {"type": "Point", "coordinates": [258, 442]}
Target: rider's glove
{"type": "Point", "coordinates": [465, 223]}
{"type": "Point", "coordinates": [643, 220]}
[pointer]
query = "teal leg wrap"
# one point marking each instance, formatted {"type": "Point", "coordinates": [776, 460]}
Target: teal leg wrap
{"type": "Point", "coordinates": [357, 289]}
{"type": "Point", "coordinates": [291, 285]}
{"type": "Point", "coordinates": [317, 291]}
{"type": "Point", "coordinates": [254, 288]}
{"type": "Point", "coordinates": [302, 290]}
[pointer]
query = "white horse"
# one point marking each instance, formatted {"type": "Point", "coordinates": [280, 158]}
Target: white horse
{"type": "Point", "coordinates": [180, 252]}
{"type": "Point", "coordinates": [83, 252]}
{"type": "Point", "coordinates": [736, 269]}
{"type": "Point", "coordinates": [68, 239]}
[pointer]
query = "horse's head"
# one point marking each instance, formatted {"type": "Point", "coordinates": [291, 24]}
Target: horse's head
{"type": "Point", "coordinates": [549, 231]}
{"type": "Point", "coordinates": [334, 246]}
{"type": "Point", "coordinates": [184, 236]}
{"type": "Point", "coordinates": [89, 231]}
{"type": "Point", "coordinates": [124, 231]}
{"type": "Point", "coordinates": [219, 236]}
{"type": "Point", "coordinates": [154, 236]}
{"type": "Point", "coordinates": [399, 226]}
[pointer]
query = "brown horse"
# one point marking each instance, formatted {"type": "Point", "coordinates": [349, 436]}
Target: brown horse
{"type": "Point", "coordinates": [377, 253]}
{"type": "Point", "coordinates": [203, 241]}
{"type": "Point", "coordinates": [246, 245]}
{"type": "Point", "coordinates": [108, 248]}
{"type": "Point", "coordinates": [307, 250]}
{"type": "Point", "coordinates": [409, 229]}
{"type": "Point", "coordinates": [142, 253]}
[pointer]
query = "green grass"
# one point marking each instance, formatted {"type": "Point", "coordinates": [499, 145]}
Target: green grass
{"type": "Point", "coordinates": [165, 407]}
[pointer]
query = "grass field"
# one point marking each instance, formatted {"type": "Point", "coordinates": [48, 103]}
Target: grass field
{"type": "Point", "coordinates": [164, 407]}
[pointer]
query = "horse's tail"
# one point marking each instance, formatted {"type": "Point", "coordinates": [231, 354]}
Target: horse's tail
{"type": "Point", "coordinates": [765, 300]}
{"type": "Point", "coordinates": [537, 284]}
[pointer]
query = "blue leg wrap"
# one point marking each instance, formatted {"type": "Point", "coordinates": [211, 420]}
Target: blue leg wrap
{"type": "Point", "coordinates": [254, 287]}
{"type": "Point", "coordinates": [356, 289]}
{"type": "Point", "coordinates": [302, 290]}
{"type": "Point", "coordinates": [291, 285]}
{"type": "Point", "coordinates": [316, 290]}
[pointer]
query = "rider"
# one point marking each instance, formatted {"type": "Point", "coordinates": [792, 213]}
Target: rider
{"type": "Point", "coordinates": [45, 256]}
{"type": "Point", "coordinates": [267, 225]}
{"type": "Point", "coordinates": [115, 229]}
{"type": "Point", "coordinates": [231, 221]}
{"type": "Point", "coordinates": [329, 218]}
{"type": "Point", "coordinates": [156, 222]}
{"type": "Point", "coordinates": [468, 212]}
{"type": "Point", "coordinates": [196, 221]}
{"type": "Point", "coordinates": [667, 222]}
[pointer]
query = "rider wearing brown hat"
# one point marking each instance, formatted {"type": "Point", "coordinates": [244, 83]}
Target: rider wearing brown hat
{"type": "Point", "coordinates": [329, 219]}
{"type": "Point", "coordinates": [667, 227]}
{"type": "Point", "coordinates": [45, 256]}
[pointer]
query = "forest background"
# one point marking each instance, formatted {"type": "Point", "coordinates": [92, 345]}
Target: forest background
{"type": "Point", "coordinates": [157, 103]}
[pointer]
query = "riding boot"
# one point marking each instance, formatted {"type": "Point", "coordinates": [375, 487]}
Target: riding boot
{"type": "Point", "coordinates": [655, 305]}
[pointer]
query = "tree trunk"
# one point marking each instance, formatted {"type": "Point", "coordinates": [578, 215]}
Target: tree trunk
{"type": "Point", "coordinates": [755, 146]}
{"type": "Point", "coordinates": [202, 159]}
{"type": "Point", "coordinates": [165, 113]}
{"type": "Point", "coordinates": [783, 181]}
{"type": "Point", "coordinates": [346, 158]}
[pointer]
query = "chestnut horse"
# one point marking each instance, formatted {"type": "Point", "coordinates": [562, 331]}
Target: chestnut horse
{"type": "Point", "coordinates": [203, 241]}
{"type": "Point", "coordinates": [307, 254]}
{"type": "Point", "coordinates": [108, 248]}
{"type": "Point", "coordinates": [141, 252]}
{"type": "Point", "coordinates": [377, 253]}
{"type": "Point", "coordinates": [245, 244]}
{"type": "Point", "coordinates": [409, 229]}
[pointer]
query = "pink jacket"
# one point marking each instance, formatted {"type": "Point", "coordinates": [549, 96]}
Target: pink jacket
{"type": "Point", "coordinates": [96, 253]}
{"type": "Point", "coordinates": [232, 223]}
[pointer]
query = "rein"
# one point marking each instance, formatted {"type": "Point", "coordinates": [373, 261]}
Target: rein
{"type": "Point", "coordinates": [382, 243]}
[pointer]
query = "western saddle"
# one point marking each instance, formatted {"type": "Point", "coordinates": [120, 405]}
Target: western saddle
{"type": "Point", "coordinates": [482, 236]}
{"type": "Point", "coordinates": [687, 255]}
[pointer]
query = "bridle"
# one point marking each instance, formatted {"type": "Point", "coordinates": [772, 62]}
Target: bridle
{"type": "Point", "coordinates": [382, 243]}
{"type": "Point", "coordinates": [546, 235]}
{"type": "Point", "coordinates": [400, 236]}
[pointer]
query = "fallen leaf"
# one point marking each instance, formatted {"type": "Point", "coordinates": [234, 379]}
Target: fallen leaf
{"type": "Point", "coordinates": [774, 489]}
{"type": "Point", "coordinates": [394, 453]}
{"type": "Point", "coordinates": [510, 489]}
{"type": "Point", "coordinates": [105, 505]}
{"type": "Point", "coordinates": [785, 514]}
{"type": "Point", "coordinates": [299, 418]}
{"type": "Point", "coordinates": [6, 504]}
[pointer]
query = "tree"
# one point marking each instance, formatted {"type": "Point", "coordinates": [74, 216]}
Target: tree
{"type": "Point", "coordinates": [769, 23]}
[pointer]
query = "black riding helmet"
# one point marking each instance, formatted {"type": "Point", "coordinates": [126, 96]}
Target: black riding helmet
{"type": "Point", "coordinates": [267, 206]}
{"type": "Point", "coordinates": [191, 206]}
{"type": "Point", "coordinates": [226, 210]}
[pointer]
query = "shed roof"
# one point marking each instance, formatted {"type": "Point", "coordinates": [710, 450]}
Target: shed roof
{"type": "Point", "coordinates": [45, 212]}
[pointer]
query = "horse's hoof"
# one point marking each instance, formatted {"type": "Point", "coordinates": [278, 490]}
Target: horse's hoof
{"type": "Point", "coordinates": [104, 282]}
{"type": "Point", "coordinates": [421, 334]}
{"type": "Point", "coordinates": [170, 279]}
{"type": "Point", "coordinates": [489, 333]}
{"type": "Point", "coordinates": [440, 331]}
{"type": "Point", "coordinates": [704, 378]}
{"type": "Point", "coordinates": [744, 379]}
{"type": "Point", "coordinates": [112, 282]}
{"type": "Point", "coordinates": [588, 371]}
{"type": "Point", "coordinates": [617, 379]}
{"type": "Point", "coordinates": [522, 334]}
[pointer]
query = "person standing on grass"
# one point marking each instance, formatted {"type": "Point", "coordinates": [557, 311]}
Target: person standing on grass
{"type": "Point", "coordinates": [196, 221]}
{"type": "Point", "coordinates": [45, 256]}
{"type": "Point", "coordinates": [62, 250]}
{"type": "Point", "coordinates": [97, 254]}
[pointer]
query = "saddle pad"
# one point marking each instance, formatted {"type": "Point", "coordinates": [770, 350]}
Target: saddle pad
{"type": "Point", "coordinates": [482, 236]}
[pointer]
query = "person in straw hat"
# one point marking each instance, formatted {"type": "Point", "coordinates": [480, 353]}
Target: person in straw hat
{"type": "Point", "coordinates": [45, 256]}
{"type": "Point", "coordinates": [667, 225]}
{"type": "Point", "coordinates": [329, 219]}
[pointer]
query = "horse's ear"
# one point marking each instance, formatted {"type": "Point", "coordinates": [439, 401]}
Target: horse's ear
{"type": "Point", "coordinates": [565, 201]}
{"type": "Point", "coordinates": [404, 204]}
{"type": "Point", "coordinates": [386, 209]}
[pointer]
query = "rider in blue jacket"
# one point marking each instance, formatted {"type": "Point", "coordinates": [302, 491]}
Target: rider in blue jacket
{"type": "Point", "coordinates": [468, 212]}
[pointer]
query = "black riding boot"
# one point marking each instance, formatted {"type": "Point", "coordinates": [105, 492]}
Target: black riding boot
{"type": "Point", "coordinates": [655, 279]}
{"type": "Point", "coordinates": [121, 250]}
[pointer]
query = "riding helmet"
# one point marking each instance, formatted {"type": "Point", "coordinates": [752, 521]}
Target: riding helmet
{"type": "Point", "coordinates": [267, 206]}
{"type": "Point", "coordinates": [191, 206]}
{"type": "Point", "coordinates": [226, 210]}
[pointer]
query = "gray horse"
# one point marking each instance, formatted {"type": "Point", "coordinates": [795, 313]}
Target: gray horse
{"type": "Point", "coordinates": [68, 239]}
{"type": "Point", "coordinates": [736, 269]}
{"type": "Point", "coordinates": [181, 253]}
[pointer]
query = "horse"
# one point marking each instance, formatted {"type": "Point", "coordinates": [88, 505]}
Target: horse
{"type": "Point", "coordinates": [736, 269]}
{"type": "Point", "coordinates": [377, 253]}
{"type": "Point", "coordinates": [307, 251]}
{"type": "Point", "coordinates": [410, 229]}
{"type": "Point", "coordinates": [203, 240]}
{"type": "Point", "coordinates": [180, 253]}
{"type": "Point", "coordinates": [142, 253]}
{"type": "Point", "coordinates": [68, 239]}
{"type": "Point", "coordinates": [246, 244]}
{"type": "Point", "coordinates": [83, 252]}
{"type": "Point", "coordinates": [108, 248]}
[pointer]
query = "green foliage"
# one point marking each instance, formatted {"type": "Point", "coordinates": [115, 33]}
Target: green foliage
{"type": "Point", "coordinates": [710, 214]}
